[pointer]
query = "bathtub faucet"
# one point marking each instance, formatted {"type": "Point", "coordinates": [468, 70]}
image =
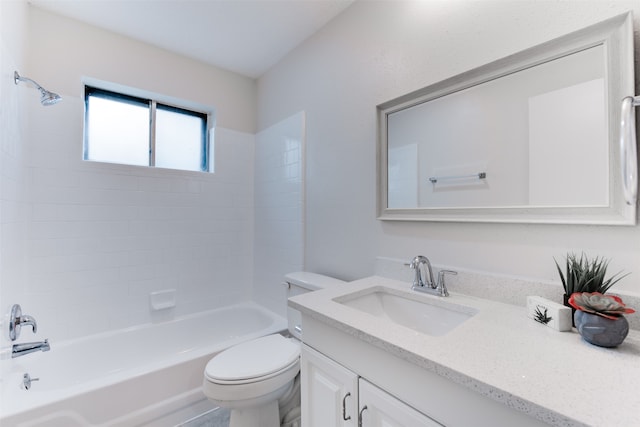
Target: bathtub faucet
{"type": "Point", "coordinates": [29, 347]}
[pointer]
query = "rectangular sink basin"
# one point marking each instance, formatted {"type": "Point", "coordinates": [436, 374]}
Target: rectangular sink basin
{"type": "Point", "coordinates": [409, 309]}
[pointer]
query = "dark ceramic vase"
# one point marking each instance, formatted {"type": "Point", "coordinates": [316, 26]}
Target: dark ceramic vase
{"type": "Point", "coordinates": [565, 300]}
{"type": "Point", "coordinates": [601, 331]}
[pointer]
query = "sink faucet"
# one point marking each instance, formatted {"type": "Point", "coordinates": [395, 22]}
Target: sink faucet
{"type": "Point", "coordinates": [429, 285]}
{"type": "Point", "coordinates": [29, 347]}
{"type": "Point", "coordinates": [418, 280]}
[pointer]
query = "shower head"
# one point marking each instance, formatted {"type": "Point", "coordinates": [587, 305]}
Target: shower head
{"type": "Point", "coordinates": [46, 97]}
{"type": "Point", "coordinates": [49, 98]}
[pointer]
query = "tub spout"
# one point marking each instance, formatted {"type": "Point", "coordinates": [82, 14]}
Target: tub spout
{"type": "Point", "coordinates": [29, 347]}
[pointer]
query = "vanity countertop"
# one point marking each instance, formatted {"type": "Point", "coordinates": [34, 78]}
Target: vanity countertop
{"type": "Point", "coordinates": [553, 376]}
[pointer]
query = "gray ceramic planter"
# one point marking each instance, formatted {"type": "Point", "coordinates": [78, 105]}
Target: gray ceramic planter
{"type": "Point", "coordinates": [600, 331]}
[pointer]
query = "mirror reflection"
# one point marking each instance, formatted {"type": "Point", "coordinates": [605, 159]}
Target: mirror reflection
{"type": "Point", "coordinates": [537, 137]}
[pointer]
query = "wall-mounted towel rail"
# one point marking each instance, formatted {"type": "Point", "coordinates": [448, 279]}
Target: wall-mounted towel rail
{"type": "Point", "coordinates": [479, 175]}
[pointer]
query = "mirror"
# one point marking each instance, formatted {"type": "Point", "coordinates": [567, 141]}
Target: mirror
{"type": "Point", "coordinates": [529, 138]}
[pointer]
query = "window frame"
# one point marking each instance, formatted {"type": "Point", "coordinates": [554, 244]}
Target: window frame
{"type": "Point", "coordinates": [152, 103]}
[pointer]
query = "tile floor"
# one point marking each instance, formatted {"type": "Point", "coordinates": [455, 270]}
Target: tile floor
{"type": "Point", "coordinates": [215, 418]}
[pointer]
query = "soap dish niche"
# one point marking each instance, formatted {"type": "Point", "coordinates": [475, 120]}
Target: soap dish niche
{"type": "Point", "coordinates": [162, 300]}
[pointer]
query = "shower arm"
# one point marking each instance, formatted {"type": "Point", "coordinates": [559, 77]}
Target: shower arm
{"type": "Point", "coordinates": [18, 78]}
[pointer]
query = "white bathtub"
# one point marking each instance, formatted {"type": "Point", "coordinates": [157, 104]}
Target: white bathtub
{"type": "Point", "coordinates": [131, 377]}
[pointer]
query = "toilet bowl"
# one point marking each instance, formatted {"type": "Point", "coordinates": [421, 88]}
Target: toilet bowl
{"type": "Point", "coordinates": [251, 378]}
{"type": "Point", "coordinates": [256, 379]}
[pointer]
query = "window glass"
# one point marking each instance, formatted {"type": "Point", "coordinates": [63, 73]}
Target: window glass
{"type": "Point", "coordinates": [179, 139]}
{"type": "Point", "coordinates": [125, 129]}
{"type": "Point", "coordinates": [118, 131]}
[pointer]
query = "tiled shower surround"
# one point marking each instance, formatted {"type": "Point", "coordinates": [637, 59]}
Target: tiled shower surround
{"type": "Point", "coordinates": [100, 237]}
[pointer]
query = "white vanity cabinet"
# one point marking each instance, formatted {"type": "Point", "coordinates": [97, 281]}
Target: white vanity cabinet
{"type": "Point", "coordinates": [329, 392]}
{"type": "Point", "coordinates": [380, 409]}
{"type": "Point", "coordinates": [333, 361]}
{"type": "Point", "coordinates": [333, 395]}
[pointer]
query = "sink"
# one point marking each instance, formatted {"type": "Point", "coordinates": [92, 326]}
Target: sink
{"type": "Point", "coordinates": [415, 311]}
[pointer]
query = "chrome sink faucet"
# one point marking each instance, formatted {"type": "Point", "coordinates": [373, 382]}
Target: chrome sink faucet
{"type": "Point", "coordinates": [429, 285]}
{"type": "Point", "coordinates": [419, 280]}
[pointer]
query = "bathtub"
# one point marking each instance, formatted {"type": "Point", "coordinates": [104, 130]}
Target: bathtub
{"type": "Point", "coordinates": [141, 376]}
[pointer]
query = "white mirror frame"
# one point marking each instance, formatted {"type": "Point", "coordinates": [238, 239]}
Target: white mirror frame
{"type": "Point", "coordinates": [616, 35]}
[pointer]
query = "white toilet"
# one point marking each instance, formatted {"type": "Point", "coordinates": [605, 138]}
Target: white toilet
{"type": "Point", "coordinates": [258, 377]}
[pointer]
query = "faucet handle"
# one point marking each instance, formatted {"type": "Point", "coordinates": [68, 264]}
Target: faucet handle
{"type": "Point", "coordinates": [17, 320]}
{"type": "Point", "coordinates": [27, 320]}
{"type": "Point", "coordinates": [27, 380]}
{"type": "Point", "coordinates": [442, 287]}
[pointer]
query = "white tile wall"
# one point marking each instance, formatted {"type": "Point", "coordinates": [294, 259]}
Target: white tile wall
{"type": "Point", "coordinates": [13, 204]}
{"type": "Point", "coordinates": [101, 237]}
{"type": "Point", "coordinates": [279, 209]}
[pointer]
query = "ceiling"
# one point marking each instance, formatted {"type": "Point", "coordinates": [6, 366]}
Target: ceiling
{"type": "Point", "coordinates": [244, 36]}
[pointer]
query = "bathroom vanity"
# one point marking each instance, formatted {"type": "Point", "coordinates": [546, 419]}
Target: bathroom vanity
{"type": "Point", "coordinates": [367, 359]}
{"type": "Point", "coordinates": [332, 393]}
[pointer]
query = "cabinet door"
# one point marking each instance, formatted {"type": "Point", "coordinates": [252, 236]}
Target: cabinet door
{"type": "Point", "coordinates": [380, 409]}
{"type": "Point", "coordinates": [329, 392]}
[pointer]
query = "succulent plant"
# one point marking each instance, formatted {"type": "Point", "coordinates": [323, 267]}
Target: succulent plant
{"type": "Point", "coordinates": [608, 306]}
{"type": "Point", "coordinates": [542, 316]}
{"type": "Point", "coordinates": [583, 275]}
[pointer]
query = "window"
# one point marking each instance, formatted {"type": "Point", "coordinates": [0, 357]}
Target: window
{"type": "Point", "coordinates": [137, 131]}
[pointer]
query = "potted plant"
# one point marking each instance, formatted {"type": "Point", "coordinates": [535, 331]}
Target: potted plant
{"type": "Point", "coordinates": [584, 275]}
{"type": "Point", "coordinates": [600, 318]}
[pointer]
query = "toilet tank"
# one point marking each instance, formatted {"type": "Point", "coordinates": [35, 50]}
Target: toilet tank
{"type": "Point", "coordinates": [299, 283]}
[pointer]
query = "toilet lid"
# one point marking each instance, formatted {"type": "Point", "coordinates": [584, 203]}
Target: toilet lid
{"type": "Point", "coordinates": [253, 359]}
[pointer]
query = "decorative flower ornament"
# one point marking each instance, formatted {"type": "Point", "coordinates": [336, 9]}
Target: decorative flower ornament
{"type": "Point", "coordinates": [607, 306]}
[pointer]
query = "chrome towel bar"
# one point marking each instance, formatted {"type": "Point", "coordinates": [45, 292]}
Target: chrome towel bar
{"type": "Point", "coordinates": [479, 175]}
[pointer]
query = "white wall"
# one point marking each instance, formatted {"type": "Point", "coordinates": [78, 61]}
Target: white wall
{"type": "Point", "coordinates": [63, 50]}
{"type": "Point", "coordinates": [376, 51]}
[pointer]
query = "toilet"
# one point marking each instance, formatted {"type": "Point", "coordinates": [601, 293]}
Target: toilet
{"type": "Point", "coordinates": [258, 379]}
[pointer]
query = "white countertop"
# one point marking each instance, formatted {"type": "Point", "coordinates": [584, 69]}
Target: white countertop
{"type": "Point", "coordinates": [554, 376]}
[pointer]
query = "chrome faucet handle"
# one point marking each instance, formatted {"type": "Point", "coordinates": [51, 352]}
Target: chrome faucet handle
{"type": "Point", "coordinates": [27, 380]}
{"type": "Point", "coordinates": [26, 320]}
{"type": "Point", "coordinates": [17, 320]}
{"type": "Point", "coordinates": [442, 287]}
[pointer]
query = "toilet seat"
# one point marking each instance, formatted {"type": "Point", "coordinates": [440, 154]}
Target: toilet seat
{"type": "Point", "coordinates": [254, 360]}
{"type": "Point", "coordinates": [253, 372]}
{"type": "Point", "coordinates": [295, 365]}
